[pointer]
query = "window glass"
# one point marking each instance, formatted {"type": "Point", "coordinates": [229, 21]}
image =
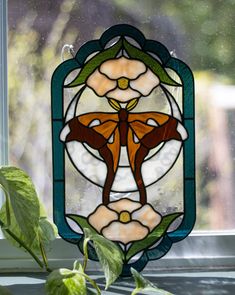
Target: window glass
{"type": "Point", "coordinates": [198, 32]}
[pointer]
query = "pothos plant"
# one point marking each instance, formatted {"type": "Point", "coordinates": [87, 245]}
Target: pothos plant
{"type": "Point", "coordinates": [24, 223]}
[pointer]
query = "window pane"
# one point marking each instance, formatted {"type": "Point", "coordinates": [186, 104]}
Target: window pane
{"type": "Point", "coordinates": [198, 32]}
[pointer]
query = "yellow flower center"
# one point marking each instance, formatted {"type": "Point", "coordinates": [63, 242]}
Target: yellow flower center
{"type": "Point", "coordinates": [125, 216]}
{"type": "Point", "coordinates": [123, 83]}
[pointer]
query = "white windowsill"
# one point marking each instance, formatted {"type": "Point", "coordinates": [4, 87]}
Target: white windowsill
{"type": "Point", "coordinates": [198, 251]}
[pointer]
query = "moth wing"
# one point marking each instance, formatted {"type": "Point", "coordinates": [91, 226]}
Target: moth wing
{"type": "Point", "coordinates": [159, 118]}
{"type": "Point", "coordinates": [105, 124]}
{"type": "Point", "coordinates": [133, 144]}
{"type": "Point", "coordinates": [153, 128]}
{"type": "Point", "coordinates": [114, 146]}
{"type": "Point", "coordinates": [87, 119]}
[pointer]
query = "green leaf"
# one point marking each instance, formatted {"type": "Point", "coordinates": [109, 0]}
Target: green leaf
{"type": "Point", "coordinates": [15, 228]}
{"type": "Point", "coordinates": [153, 237]}
{"type": "Point", "coordinates": [151, 62]}
{"type": "Point", "coordinates": [144, 285]}
{"type": "Point", "coordinates": [28, 220]}
{"type": "Point", "coordinates": [95, 62]}
{"type": "Point", "coordinates": [14, 234]}
{"type": "Point", "coordinates": [77, 266]}
{"type": "Point", "coordinates": [42, 210]}
{"type": "Point", "coordinates": [4, 291]}
{"type": "Point", "coordinates": [66, 282]}
{"type": "Point", "coordinates": [109, 254]}
{"type": "Point", "coordinates": [45, 232]}
{"type": "Point", "coordinates": [24, 202]}
{"type": "Point", "coordinates": [82, 222]}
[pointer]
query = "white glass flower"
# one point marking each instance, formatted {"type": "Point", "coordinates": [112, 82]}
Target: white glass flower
{"type": "Point", "coordinates": [124, 220]}
{"type": "Point", "coordinates": [123, 79]}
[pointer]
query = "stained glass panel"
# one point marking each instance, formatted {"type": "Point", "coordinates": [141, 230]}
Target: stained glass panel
{"type": "Point", "coordinates": [124, 150]}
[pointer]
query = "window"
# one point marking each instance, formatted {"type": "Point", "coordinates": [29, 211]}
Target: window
{"type": "Point", "coordinates": [199, 33]}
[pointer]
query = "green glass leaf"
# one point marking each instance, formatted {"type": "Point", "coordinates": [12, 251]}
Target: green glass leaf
{"type": "Point", "coordinates": [82, 222]}
{"type": "Point", "coordinates": [94, 63]}
{"type": "Point", "coordinates": [23, 198]}
{"type": "Point", "coordinates": [151, 63]}
{"type": "Point", "coordinates": [109, 254]}
{"type": "Point", "coordinates": [153, 237]}
{"type": "Point", "coordinates": [66, 282]}
{"type": "Point", "coordinates": [144, 285]}
{"type": "Point", "coordinates": [4, 291]}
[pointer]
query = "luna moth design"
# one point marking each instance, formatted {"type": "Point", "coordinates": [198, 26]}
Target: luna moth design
{"type": "Point", "coordinates": [126, 147]}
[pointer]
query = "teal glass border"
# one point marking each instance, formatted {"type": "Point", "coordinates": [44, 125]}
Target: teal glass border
{"type": "Point", "coordinates": [58, 149]}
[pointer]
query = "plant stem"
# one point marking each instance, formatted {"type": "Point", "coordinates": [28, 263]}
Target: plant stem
{"type": "Point", "coordinates": [91, 281]}
{"type": "Point", "coordinates": [85, 251]}
{"type": "Point", "coordinates": [135, 291]}
{"type": "Point", "coordinates": [44, 256]}
{"type": "Point", "coordinates": [22, 244]}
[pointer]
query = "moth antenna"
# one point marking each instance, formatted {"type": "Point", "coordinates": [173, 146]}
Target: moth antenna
{"type": "Point", "coordinates": [114, 104]}
{"type": "Point", "coordinates": [132, 104]}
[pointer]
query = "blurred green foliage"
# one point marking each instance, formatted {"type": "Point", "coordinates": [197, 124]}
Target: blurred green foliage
{"type": "Point", "coordinates": [207, 28]}
{"type": "Point", "coordinates": [199, 32]}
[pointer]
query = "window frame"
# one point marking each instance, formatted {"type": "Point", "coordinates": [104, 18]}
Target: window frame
{"type": "Point", "coordinates": [3, 84]}
{"type": "Point", "coordinates": [3, 89]}
{"type": "Point", "coordinates": [199, 250]}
